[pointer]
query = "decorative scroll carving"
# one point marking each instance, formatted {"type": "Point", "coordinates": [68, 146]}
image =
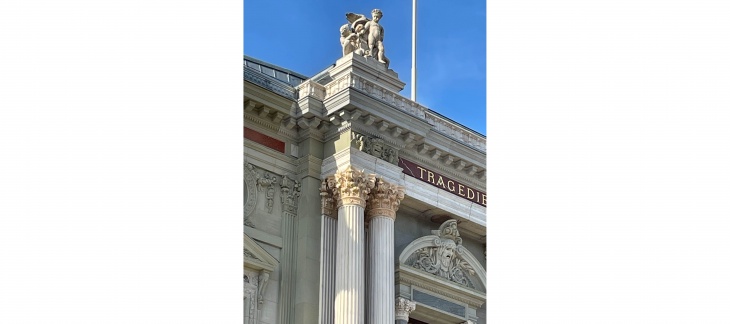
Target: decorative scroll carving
{"type": "Point", "coordinates": [352, 186]}
{"type": "Point", "coordinates": [266, 182]}
{"type": "Point", "coordinates": [328, 201]}
{"type": "Point", "coordinates": [384, 199]}
{"type": "Point", "coordinates": [290, 191]}
{"type": "Point", "coordinates": [403, 308]}
{"type": "Point", "coordinates": [444, 257]}
{"type": "Point", "coordinates": [249, 193]}
{"type": "Point", "coordinates": [263, 282]}
{"type": "Point", "coordinates": [375, 147]}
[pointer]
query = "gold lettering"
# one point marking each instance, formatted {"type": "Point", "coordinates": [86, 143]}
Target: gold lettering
{"type": "Point", "coordinates": [430, 176]}
{"type": "Point", "coordinates": [461, 190]}
{"type": "Point", "coordinates": [440, 182]}
{"type": "Point", "coordinates": [469, 193]}
{"type": "Point", "coordinates": [450, 185]}
{"type": "Point", "coordinates": [422, 169]}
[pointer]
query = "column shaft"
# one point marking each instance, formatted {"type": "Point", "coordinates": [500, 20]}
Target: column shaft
{"type": "Point", "coordinates": [349, 278]}
{"type": "Point", "coordinates": [327, 271]}
{"type": "Point", "coordinates": [381, 271]}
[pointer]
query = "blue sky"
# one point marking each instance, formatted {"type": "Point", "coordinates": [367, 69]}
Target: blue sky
{"type": "Point", "coordinates": [303, 36]}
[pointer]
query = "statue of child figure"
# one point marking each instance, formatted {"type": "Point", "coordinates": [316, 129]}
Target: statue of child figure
{"type": "Point", "coordinates": [375, 34]}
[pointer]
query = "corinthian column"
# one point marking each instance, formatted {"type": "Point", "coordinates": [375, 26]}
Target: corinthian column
{"type": "Point", "coordinates": [382, 204]}
{"type": "Point", "coordinates": [351, 190]}
{"type": "Point", "coordinates": [403, 308]}
{"type": "Point", "coordinates": [328, 246]}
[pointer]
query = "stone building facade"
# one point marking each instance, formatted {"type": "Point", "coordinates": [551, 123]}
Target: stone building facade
{"type": "Point", "coordinates": [361, 206]}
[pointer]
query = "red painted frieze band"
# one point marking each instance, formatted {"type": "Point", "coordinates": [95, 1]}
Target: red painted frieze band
{"type": "Point", "coordinates": [437, 180]}
{"type": "Point", "coordinates": [262, 139]}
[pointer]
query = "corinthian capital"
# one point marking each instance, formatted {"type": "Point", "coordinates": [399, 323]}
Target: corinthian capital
{"type": "Point", "coordinates": [384, 199]}
{"type": "Point", "coordinates": [403, 308]}
{"type": "Point", "coordinates": [352, 186]}
{"type": "Point", "coordinates": [328, 200]}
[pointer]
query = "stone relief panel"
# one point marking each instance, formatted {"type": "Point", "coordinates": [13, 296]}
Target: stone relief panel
{"type": "Point", "coordinates": [444, 258]}
{"type": "Point", "coordinates": [259, 191]}
{"type": "Point", "coordinates": [375, 147]}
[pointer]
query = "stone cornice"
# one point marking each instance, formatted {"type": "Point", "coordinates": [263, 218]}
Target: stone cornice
{"type": "Point", "coordinates": [384, 200]}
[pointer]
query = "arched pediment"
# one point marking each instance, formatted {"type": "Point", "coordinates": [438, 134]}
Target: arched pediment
{"type": "Point", "coordinates": [442, 255]}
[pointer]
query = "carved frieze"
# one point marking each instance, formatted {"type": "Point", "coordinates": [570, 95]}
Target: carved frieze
{"type": "Point", "coordinates": [384, 199]}
{"type": "Point", "coordinates": [375, 147]}
{"type": "Point", "coordinates": [352, 186]}
{"type": "Point", "coordinates": [444, 257]}
{"type": "Point", "coordinates": [290, 191]}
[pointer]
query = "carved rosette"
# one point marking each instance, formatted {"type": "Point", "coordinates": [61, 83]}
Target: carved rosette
{"type": "Point", "coordinates": [403, 308]}
{"type": "Point", "coordinates": [328, 200]}
{"type": "Point", "coordinates": [352, 187]}
{"type": "Point", "coordinates": [384, 200]}
{"type": "Point", "coordinates": [290, 191]}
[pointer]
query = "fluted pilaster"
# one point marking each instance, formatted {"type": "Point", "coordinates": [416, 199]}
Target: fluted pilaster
{"type": "Point", "coordinates": [329, 248]}
{"type": "Point", "coordinates": [382, 205]}
{"type": "Point", "coordinates": [351, 191]}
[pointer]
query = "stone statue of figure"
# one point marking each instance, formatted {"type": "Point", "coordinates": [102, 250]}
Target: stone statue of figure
{"type": "Point", "coordinates": [352, 36]}
{"type": "Point", "coordinates": [346, 39]}
{"type": "Point", "coordinates": [376, 33]}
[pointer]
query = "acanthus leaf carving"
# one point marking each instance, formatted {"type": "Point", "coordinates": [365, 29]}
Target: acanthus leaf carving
{"type": "Point", "coordinates": [384, 199]}
{"type": "Point", "coordinates": [403, 308]}
{"type": "Point", "coordinates": [352, 186]}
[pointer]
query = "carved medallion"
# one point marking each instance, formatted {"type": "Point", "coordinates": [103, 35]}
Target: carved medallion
{"type": "Point", "coordinates": [249, 193]}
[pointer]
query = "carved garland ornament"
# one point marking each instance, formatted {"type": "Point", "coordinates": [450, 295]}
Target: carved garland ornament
{"type": "Point", "coordinates": [352, 186]}
{"type": "Point", "coordinates": [384, 199]}
{"type": "Point", "coordinates": [444, 259]}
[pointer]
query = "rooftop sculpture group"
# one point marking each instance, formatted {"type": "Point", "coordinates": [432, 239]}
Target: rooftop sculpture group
{"type": "Point", "coordinates": [363, 36]}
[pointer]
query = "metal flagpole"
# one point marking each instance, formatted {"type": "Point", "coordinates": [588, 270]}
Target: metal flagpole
{"type": "Point", "coordinates": [413, 54]}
